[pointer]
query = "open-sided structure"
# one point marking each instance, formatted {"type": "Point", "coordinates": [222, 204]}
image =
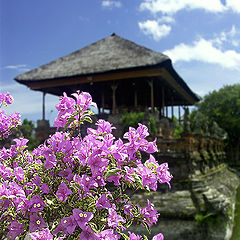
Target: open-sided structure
{"type": "Point", "coordinates": [118, 73]}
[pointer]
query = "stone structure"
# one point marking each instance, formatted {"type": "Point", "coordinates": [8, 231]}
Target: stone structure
{"type": "Point", "coordinates": [201, 202]}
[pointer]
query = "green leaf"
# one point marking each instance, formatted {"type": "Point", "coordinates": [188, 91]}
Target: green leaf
{"type": "Point", "coordinates": [147, 227]}
{"type": "Point", "coordinates": [138, 180]}
{"type": "Point", "coordinates": [69, 121]}
{"type": "Point", "coordinates": [112, 172]}
{"type": "Point", "coordinates": [94, 227]}
{"type": "Point", "coordinates": [124, 236]}
{"type": "Point", "coordinates": [87, 119]}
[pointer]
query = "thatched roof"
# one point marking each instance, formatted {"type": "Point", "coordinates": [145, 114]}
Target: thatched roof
{"type": "Point", "coordinates": [95, 67]}
{"type": "Point", "coordinates": [108, 54]}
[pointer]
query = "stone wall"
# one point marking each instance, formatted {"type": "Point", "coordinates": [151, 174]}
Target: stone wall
{"type": "Point", "coordinates": [202, 208]}
{"type": "Point", "coordinates": [201, 201]}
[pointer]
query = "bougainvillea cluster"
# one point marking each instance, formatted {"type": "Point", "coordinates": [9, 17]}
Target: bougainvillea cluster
{"type": "Point", "coordinates": [74, 187]}
{"type": "Point", "coordinates": [7, 123]}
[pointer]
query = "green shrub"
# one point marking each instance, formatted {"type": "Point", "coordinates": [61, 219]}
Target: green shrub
{"type": "Point", "coordinates": [132, 119]}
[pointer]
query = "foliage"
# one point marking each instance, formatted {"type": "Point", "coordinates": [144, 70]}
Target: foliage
{"type": "Point", "coordinates": [223, 107]}
{"type": "Point", "coordinates": [178, 128]}
{"type": "Point", "coordinates": [153, 126]}
{"type": "Point", "coordinates": [26, 129]}
{"type": "Point", "coordinates": [78, 188]}
{"type": "Point", "coordinates": [236, 228]}
{"type": "Point", "coordinates": [132, 119]}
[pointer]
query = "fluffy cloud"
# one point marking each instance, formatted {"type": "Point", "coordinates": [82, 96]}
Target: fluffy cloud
{"type": "Point", "coordinates": [205, 51]}
{"type": "Point", "coordinates": [19, 67]}
{"type": "Point", "coordinates": [231, 37]}
{"type": "Point", "coordinates": [153, 28]}
{"type": "Point", "coordinates": [111, 4]}
{"type": "Point", "coordinates": [167, 19]}
{"type": "Point", "coordinates": [173, 6]}
{"type": "Point", "coordinates": [234, 5]}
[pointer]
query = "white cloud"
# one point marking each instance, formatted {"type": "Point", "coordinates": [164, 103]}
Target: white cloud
{"type": "Point", "coordinates": [231, 37]}
{"type": "Point", "coordinates": [153, 28]}
{"type": "Point", "coordinates": [234, 5]}
{"type": "Point", "coordinates": [111, 4]}
{"type": "Point", "coordinates": [19, 67]}
{"type": "Point", "coordinates": [166, 19]}
{"type": "Point", "coordinates": [205, 51]}
{"type": "Point", "coordinates": [173, 6]}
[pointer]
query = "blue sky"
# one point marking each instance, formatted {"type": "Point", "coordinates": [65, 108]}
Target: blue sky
{"type": "Point", "coordinates": [201, 37]}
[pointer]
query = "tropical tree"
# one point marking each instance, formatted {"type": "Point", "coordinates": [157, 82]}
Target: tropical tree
{"type": "Point", "coordinates": [26, 130]}
{"type": "Point", "coordinates": [223, 107]}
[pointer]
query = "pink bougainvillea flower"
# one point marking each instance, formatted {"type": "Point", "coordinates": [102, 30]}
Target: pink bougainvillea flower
{"type": "Point", "coordinates": [37, 180]}
{"type": "Point", "coordinates": [150, 213]}
{"type": "Point", "coordinates": [127, 210]}
{"type": "Point", "coordinates": [109, 234]}
{"type": "Point", "coordinates": [15, 229]}
{"type": "Point", "coordinates": [163, 174]}
{"type": "Point", "coordinates": [99, 180]}
{"type": "Point", "coordinates": [133, 236]}
{"type": "Point", "coordinates": [103, 202]}
{"type": "Point", "coordinates": [36, 222]}
{"type": "Point", "coordinates": [97, 164]}
{"type": "Point", "coordinates": [51, 160]}
{"type": "Point", "coordinates": [86, 182]}
{"type": "Point", "coordinates": [63, 191]}
{"type": "Point", "coordinates": [67, 174]}
{"type": "Point", "coordinates": [80, 165]}
{"type": "Point", "coordinates": [42, 235]}
{"type": "Point", "coordinates": [148, 177]}
{"type": "Point", "coordinates": [8, 98]}
{"type": "Point", "coordinates": [115, 179]}
{"type": "Point", "coordinates": [82, 218]}
{"type": "Point", "coordinates": [21, 143]}
{"type": "Point", "coordinates": [36, 204]}
{"type": "Point", "coordinates": [60, 228]}
{"type": "Point", "coordinates": [158, 237]}
{"type": "Point", "coordinates": [69, 223]}
{"type": "Point", "coordinates": [128, 176]}
{"type": "Point", "coordinates": [19, 173]}
{"type": "Point", "coordinates": [114, 219]}
{"type": "Point", "coordinates": [88, 234]}
{"type": "Point", "coordinates": [45, 188]}
{"type": "Point", "coordinates": [84, 100]}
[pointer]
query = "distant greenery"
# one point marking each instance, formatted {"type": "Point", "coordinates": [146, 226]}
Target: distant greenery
{"type": "Point", "coordinates": [178, 129]}
{"type": "Point", "coordinates": [223, 107]}
{"type": "Point", "coordinates": [132, 119]}
{"type": "Point", "coordinates": [236, 228]}
{"type": "Point", "coordinates": [26, 130]}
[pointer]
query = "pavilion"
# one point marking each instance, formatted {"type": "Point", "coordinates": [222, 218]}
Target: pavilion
{"type": "Point", "coordinates": [118, 73]}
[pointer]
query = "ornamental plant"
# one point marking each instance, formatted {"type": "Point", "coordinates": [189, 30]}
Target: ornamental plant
{"type": "Point", "coordinates": [74, 187]}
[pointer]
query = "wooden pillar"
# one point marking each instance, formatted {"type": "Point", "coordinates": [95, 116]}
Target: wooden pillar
{"type": "Point", "coordinates": [114, 88]}
{"type": "Point", "coordinates": [150, 82]}
{"type": "Point", "coordinates": [167, 111]}
{"type": "Point", "coordinates": [163, 100]}
{"type": "Point", "coordinates": [43, 106]}
{"type": "Point", "coordinates": [172, 109]}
